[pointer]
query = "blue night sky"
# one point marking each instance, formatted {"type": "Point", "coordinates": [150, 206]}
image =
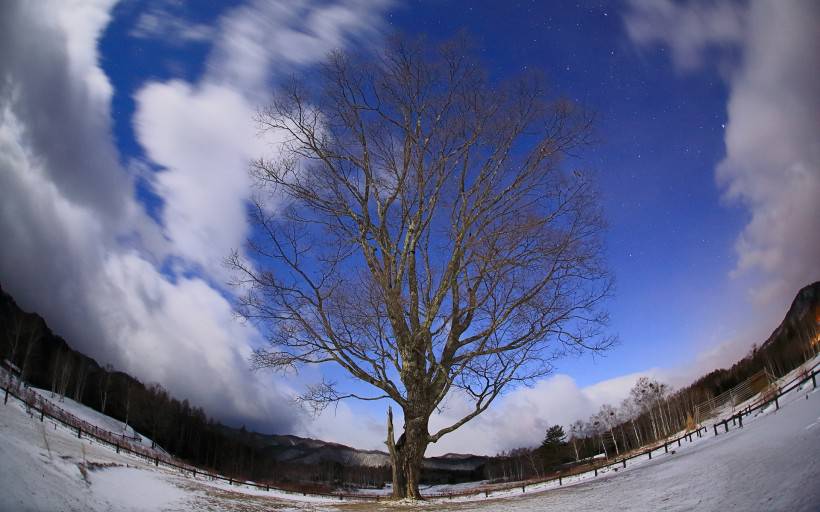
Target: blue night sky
{"type": "Point", "coordinates": [711, 231]}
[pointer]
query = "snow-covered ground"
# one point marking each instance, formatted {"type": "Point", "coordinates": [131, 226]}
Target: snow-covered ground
{"type": "Point", "coordinates": [45, 467]}
{"type": "Point", "coordinates": [770, 464]}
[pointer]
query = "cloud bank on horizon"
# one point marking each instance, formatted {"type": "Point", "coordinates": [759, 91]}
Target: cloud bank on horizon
{"type": "Point", "coordinates": [147, 295]}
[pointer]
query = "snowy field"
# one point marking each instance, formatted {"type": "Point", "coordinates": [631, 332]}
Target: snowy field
{"type": "Point", "coordinates": [770, 464]}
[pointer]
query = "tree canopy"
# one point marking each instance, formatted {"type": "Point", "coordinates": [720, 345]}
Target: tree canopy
{"type": "Point", "coordinates": [418, 229]}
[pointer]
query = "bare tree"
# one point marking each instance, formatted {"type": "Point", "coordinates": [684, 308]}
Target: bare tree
{"type": "Point", "coordinates": [105, 386]}
{"type": "Point", "coordinates": [14, 337]}
{"type": "Point", "coordinates": [630, 410]}
{"type": "Point", "coordinates": [66, 369]}
{"type": "Point", "coordinates": [577, 431]}
{"type": "Point", "coordinates": [609, 420]}
{"type": "Point", "coordinates": [423, 236]}
{"type": "Point", "coordinates": [33, 340]}
{"type": "Point", "coordinates": [649, 395]}
{"type": "Point", "coordinates": [56, 366]}
{"type": "Point", "coordinates": [597, 429]}
{"type": "Point", "coordinates": [80, 379]}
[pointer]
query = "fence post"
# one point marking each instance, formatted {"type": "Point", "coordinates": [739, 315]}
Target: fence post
{"type": "Point", "coordinates": [679, 442]}
{"type": "Point", "coordinates": [814, 379]}
{"type": "Point", "coordinates": [560, 482]}
{"type": "Point", "coordinates": [118, 447]}
{"type": "Point", "coordinates": [715, 425]}
{"type": "Point", "coordinates": [624, 461]}
{"type": "Point", "coordinates": [740, 420]}
{"type": "Point", "coordinates": [41, 415]}
{"type": "Point", "coordinates": [665, 448]}
{"type": "Point", "coordinates": [726, 425]}
{"type": "Point", "coordinates": [776, 403]}
{"type": "Point", "coordinates": [79, 432]}
{"type": "Point", "coordinates": [596, 471]}
{"type": "Point", "coordinates": [6, 400]}
{"type": "Point", "coordinates": [523, 488]}
{"type": "Point", "coordinates": [650, 454]}
{"type": "Point", "coordinates": [156, 461]}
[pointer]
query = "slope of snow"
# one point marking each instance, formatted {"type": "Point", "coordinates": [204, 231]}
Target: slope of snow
{"type": "Point", "coordinates": [94, 417]}
{"type": "Point", "coordinates": [773, 463]}
{"type": "Point", "coordinates": [45, 467]}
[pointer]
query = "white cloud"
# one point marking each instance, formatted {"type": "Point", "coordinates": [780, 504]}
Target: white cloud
{"type": "Point", "coordinates": [30, 68]}
{"type": "Point", "coordinates": [203, 134]}
{"type": "Point", "coordinates": [689, 30]}
{"type": "Point", "coordinates": [159, 22]}
{"type": "Point", "coordinates": [351, 424]}
{"type": "Point", "coordinates": [772, 163]}
{"type": "Point", "coordinates": [204, 138]}
{"type": "Point", "coordinates": [521, 417]}
{"type": "Point", "coordinates": [273, 37]}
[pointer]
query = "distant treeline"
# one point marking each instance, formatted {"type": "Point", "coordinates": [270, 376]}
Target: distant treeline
{"type": "Point", "coordinates": [184, 430]}
{"type": "Point", "coordinates": [652, 412]}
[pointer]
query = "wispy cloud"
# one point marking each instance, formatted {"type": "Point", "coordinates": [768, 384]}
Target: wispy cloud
{"type": "Point", "coordinates": [767, 52]}
{"type": "Point", "coordinates": [202, 134]}
{"type": "Point", "coordinates": [159, 22]}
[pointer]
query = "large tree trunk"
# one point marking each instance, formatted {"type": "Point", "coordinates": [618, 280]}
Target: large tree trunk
{"type": "Point", "coordinates": [407, 455]}
{"type": "Point", "coordinates": [415, 444]}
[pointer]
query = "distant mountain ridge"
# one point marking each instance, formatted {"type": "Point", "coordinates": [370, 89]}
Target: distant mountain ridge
{"type": "Point", "coordinates": [800, 319]}
{"type": "Point", "coordinates": [302, 450]}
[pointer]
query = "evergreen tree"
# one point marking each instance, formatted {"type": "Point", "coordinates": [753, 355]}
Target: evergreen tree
{"type": "Point", "coordinates": [552, 446]}
{"type": "Point", "coordinates": [555, 437]}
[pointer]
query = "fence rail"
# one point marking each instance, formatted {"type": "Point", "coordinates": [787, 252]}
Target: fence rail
{"type": "Point", "coordinates": [72, 422]}
{"type": "Point", "coordinates": [737, 418]}
{"type": "Point", "coordinates": [737, 395]}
